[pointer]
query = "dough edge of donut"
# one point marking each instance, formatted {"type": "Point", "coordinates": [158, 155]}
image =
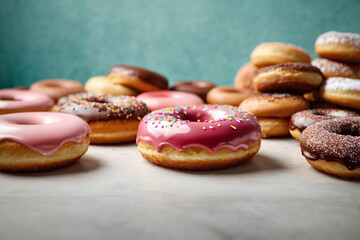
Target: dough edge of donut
{"type": "Point", "coordinates": [197, 158]}
{"type": "Point", "coordinates": [16, 157]}
{"type": "Point", "coordinates": [334, 168]}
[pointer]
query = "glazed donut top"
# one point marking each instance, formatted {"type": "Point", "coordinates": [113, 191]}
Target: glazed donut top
{"type": "Point", "coordinates": [339, 83]}
{"type": "Point", "coordinates": [303, 119]}
{"type": "Point", "coordinates": [333, 140]}
{"type": "Point", "coordinates": [105, 107]}
{"type": "Point", "coordinates": [141, 73]}
{"type": "Point", "coordinates": [338, 38]}
{"type": "Point", "coordinates": [24, 99]}
{"type": "Point", "coordinates": [210, 127]}
{"type": "Point", "coordinates": [293, 66]}
{"type": "Point", "coordinates": [335, 69]}
{"type": "Point", "coordinates": [44, 132]}
{"type": "Point", "coordinates": [57, 88]}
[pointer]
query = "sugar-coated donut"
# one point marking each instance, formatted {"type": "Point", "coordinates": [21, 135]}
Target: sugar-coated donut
{"type": "Point", "coordinates": [333, 146]}
{"type": "Point", "coordinates": [198, 87]}
{"type": "Point", "coordinates": [101, 85]}
{"type": "Point", "coordinates": [14, 100]}
{"type": "Point", "coordinates": [301, 120]}
{"type": "Point", "coordinates": [245, 76]}
{"type": "Point", "coordinates": [41, 141]}
{"type": "Point", "coordinates": [288, 77]}
{"type": "Point", "coordinates": [199, 137]}
{"type": "Point", "coordinates": [273, 111]}
{"type": "Point", "coordinates": [113, 119]}
{"type": "Point", "coordinates": [57, 88]}
{"type": "Point", "coordinates": [227, 96]}
{"type": "Point", "coordinates": [270, 53]}
{"type": "Point", "coordinates": [168, 98]}
{"type": "Point", "coordinates": [339, 46]}
{"type": "Point", "coordinates": [341, 91]}
{"type": "Point", "coordinates": [331, 68]}
{"type": "Point", "coordinates": [140, 79]}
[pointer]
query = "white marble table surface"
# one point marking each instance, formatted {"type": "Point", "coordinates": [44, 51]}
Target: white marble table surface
{"type": "Point", "coordinates": [113, 193]}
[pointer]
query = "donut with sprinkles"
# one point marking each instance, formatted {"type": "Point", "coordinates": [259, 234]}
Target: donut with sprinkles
{"type": "Point", "coordinates": [199, 137]}
{"type": "Point", "coordinates": [113, 119]}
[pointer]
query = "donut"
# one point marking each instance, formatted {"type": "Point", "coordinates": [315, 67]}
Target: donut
{"type": "Point", "coordinates": [14, 100]}
{"type": "Point", "coordinates": [301, 120]}
{"type": "Point", "coordinates": [57, 88]}
{"type": "Point", "coordinates": [41, 141]}
{"type": "Point", "coordinates": [140, 79]}
{"type": "Point", "coordinates": [288, 77]}
{"type": "Point", "coordinates": [270, 53]}
{"type": "Point", "coordinates": [167, 98]}
{"type": "Point", "coordinates": [339, 46]}
{"type": "Point", "coordinates": [101, 85]}
{"type": "Point", "coordinates": [341, 91]}
{"type": "Point", "coordinates": [245, 76]}
{"type": "Point", "coordinates": [333, 146]}
{"type": "Point", "coordinates": [198, 87]}
{"type": "Point", "coordinates": [273, 111]}
{"type": "Point", "coordinates": [227, 96]}
{"type": "Point", "coordinates": [199, 137]}
{"type": "Point", "coordinates": [113, 119]}
{"type": "Point", "coordinates": [70, 98]}
{"type": "Point", "coordinates": [331, 68]}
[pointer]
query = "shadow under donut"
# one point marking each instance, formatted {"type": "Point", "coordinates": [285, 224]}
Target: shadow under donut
{"type": "Point", "coordinates": [86, 163]}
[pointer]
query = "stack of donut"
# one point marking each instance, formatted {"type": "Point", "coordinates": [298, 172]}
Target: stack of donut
{"type": "Point", "coordinates": [280, 73]}
{"type": "Point", "coordinates": [340, 64]}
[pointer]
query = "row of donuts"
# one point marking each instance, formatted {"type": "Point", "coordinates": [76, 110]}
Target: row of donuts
{"type": "Point", "coordinates": [87, 105]}
{"type": "Point", "coordinates": [114, 119]}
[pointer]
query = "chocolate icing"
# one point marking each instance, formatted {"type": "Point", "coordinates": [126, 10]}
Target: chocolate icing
{"type": "Point", "coordinates": [198, 87]}
{"type": "Point", "coordinates": [333, 140]}
{"type": "Point", "coordinates": [105, 107]}
{"type": "Point", "coordinates": [303, 119]}
{"type": "Point", "coordinates": [141, 73]}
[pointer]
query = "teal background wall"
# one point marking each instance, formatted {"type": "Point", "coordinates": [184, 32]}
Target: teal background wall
{"type": "Point", "coordinates": [183, 40]}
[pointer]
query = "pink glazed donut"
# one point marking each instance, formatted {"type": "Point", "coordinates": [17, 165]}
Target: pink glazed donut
{"type": "Point", "coordinates": [166, 98]}
{"type": "Point", "coordinates": [41, 141]}
{"type": "Point", "coordinates": [199, 137]}
{"type": "Point", "coordinates": [14, 100]}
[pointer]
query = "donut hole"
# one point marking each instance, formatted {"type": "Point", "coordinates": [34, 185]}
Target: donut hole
{"type": "Point", "coordinates": [349, 130]}
{"type": "Point", "coordinates": [320, 114]}
{"type": "Point", "coordinates": [39, 120]}
{"type": "Point", "coordinates": [8, 99]}
{"type": "Point", "coordinates": [201, 116]}
{"type": "Point", "coordinates": [25, 122]}
{"type": "Point", "coordinates": [53, 85]}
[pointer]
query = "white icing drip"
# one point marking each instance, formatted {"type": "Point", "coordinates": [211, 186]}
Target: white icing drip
{"type": "Point", "coordinates": [338, 37]}
{"type": "Point", "coordinates": [338, 83]}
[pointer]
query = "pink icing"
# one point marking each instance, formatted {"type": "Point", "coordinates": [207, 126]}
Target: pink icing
{"type": "Point", "coordinates": [166, 98]}
{"type": "Point", "coordinates": [210, 127]}
{"type": "Point", "coordinates": [44, 132]}
{"type": "Point", "coordinates": [24, 99]}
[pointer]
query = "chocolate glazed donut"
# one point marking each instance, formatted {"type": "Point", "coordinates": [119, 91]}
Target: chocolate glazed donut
{"type": "Point", "coordinates": [113, 119]}
{"type": "Point", "coordinates": [137, 78]}
{"type": "Point", "coordinates": [333, 146]}
{"type": "Point", "coordinates": [198, 87]}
